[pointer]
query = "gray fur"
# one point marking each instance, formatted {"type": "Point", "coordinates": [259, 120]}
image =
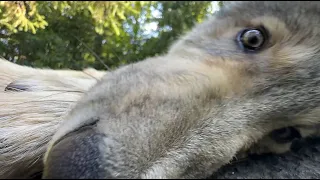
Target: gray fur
{"type": "Point", "coordinates": [181, 115]}
{"type": "Point", "coordinates": [171, 117]}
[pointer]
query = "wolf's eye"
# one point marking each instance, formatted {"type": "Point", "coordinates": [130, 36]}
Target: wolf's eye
{"type": "Point", "coordinates": [252, 39]}
{"type": "Point", "coordinates": [285, 135]}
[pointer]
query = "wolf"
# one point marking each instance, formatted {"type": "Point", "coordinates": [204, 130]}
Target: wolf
{"type": "Point", "coordinates": [251, 69]}
{"type": "Point", "coordinates": [33, 106]}
{"type": "Point", "coordinates": [240, 82]}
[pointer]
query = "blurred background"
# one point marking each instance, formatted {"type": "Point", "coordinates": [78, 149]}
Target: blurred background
{"type": "Point", "coordinates": [80, 34]}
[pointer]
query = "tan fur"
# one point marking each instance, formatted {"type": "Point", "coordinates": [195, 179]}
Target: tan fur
{"type": "Point", "coordinates": [10, 72]}
{"type": "Point", "coordinates": [29, 119]}
{"type": "Point", "coordinates": [180, 115]}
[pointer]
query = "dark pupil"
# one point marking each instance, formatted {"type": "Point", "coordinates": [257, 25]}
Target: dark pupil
{"type": "Point", "coordinates": [253, 40]}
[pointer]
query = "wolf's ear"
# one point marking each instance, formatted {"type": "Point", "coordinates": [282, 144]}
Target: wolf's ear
{"type": "Point", "coordinates": [32, 83]}
{"type": "Point", "coordinates": [35, 84]}
{"type": "Point", "coordinates": [17, 87]}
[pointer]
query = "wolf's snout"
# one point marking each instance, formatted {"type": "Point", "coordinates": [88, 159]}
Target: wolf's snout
{"type": "Point", "coordinates": [77, 155]}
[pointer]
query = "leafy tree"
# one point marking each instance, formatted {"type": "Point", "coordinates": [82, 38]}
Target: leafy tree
{"type": "Point", "coordinates": [77, 34]}
{"type": "Point", "coordinates": [21, 15]}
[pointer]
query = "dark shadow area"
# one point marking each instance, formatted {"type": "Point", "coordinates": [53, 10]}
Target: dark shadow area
{"type": "Point", "coordinates": [303, 163]}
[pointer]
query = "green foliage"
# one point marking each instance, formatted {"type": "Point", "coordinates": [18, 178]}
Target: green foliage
{"type": "Point", "coordinates": [78, 34]}
{"type": "Point", "coordinates": [21, 15]}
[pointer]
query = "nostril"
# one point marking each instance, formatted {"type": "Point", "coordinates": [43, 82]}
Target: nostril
{"type": "Point", "coordinates": [285, 135]}
{"type": "Point", "coordinates": [297, 145]}
{"type": "Point", "coordinates": [75, 156]}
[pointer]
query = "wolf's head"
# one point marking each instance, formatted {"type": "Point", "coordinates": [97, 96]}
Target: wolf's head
{"type": "Point", "coordinates": [250, 69]}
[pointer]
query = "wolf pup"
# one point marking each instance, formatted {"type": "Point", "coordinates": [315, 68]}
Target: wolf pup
{"type": "Point", "coordinates": [252, 68]}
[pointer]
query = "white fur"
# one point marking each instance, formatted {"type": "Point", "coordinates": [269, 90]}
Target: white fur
{"type": "Point", "coordinates": [30, 118]}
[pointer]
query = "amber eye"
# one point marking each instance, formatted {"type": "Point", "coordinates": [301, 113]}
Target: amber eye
{"type": "Point", "coordinates": [252, 39]}
{"type": "Point", "coordinates": [285, 135]}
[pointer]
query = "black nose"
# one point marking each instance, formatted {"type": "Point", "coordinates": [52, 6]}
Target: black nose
{"type": "Point", "coordinates": [76, 156]}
